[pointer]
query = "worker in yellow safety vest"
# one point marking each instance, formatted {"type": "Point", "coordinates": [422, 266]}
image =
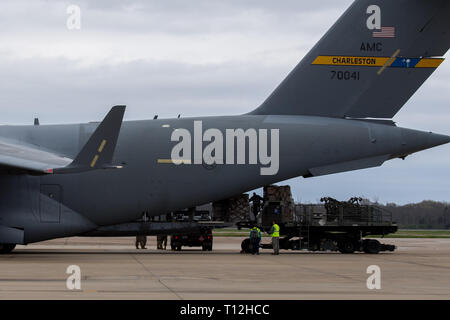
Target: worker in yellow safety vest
{"type": "Point", "coordinates": [255, 239]}
{"type": "Point", "coordinates": [275, 232]}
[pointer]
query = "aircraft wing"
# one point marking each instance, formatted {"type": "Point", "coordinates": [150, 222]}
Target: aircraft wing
{"type": "Point", "coordinates": [97, 153]}
{"type": "Point", "coordinates": [17, 156]}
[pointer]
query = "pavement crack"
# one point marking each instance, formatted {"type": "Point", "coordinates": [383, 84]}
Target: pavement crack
{"type": "Point", "coordinates": [156, 277]}
{"type": "Point", "coordinates": [314, 270]}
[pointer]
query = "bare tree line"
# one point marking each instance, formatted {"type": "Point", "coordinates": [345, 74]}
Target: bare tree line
{"type": "Point", "coordinates": [424, 215]}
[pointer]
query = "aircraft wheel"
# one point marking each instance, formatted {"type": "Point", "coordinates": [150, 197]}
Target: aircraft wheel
{"type": "Point", "coordinates": [6, 248]}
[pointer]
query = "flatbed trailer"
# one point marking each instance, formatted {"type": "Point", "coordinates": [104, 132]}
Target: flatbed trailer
{"type": "Point", "coordinates": [341, 230]}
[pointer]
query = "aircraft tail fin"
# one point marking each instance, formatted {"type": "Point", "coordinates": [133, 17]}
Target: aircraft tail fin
{"type": "Point", "coordinates": [98, 151]}
{"type": "Point", "coordinates": [368, 65]}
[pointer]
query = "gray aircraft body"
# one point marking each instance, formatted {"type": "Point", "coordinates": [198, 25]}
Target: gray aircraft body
{"type": "Point", "coordinates": [331, 114]}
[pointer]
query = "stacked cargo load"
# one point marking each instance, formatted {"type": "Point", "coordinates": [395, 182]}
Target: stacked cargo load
{"type": "Point", "coordinates": [233, 209]}
{"type": "Point", "coordinates": [283, 196]}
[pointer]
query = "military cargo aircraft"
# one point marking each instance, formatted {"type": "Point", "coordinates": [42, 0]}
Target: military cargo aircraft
{"type": "Point", "coordinates": [333, 113]}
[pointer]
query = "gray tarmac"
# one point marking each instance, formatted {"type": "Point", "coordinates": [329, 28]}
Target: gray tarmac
{"type": "Point", "coordinates": [111, 268]}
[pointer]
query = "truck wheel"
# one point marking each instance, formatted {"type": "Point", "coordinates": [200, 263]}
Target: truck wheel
{"type": "Point", "coordinates": [328, 245]}
{"type": "Point", "coordinates": [178, 248]}
{"type": "Point", "coordinates": [6, 248]}
{"type": "Point", "coordinates": [245, 246]}
{"type": "Point", "coordinates": [295, 245]}
{"type": "Point", "coordinates": [314, 246]}
{"type": "Point", "coordinates": [371, 246]}
{"type": "Point", "coordinates": [346, 246]}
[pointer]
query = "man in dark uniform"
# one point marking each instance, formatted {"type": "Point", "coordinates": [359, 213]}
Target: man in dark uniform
{"type": "Point", "coordinates": [257, 203]}
{"type": "Point", "coordinates": [141, 241]}
{"type": "Point", "coordinates": [164, 241]}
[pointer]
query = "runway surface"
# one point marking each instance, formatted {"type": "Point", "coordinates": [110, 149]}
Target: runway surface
{"type": "Point", "coordinates": [111, 268]}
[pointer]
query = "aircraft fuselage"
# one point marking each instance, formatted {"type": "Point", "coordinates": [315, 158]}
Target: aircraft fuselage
{"type": "Point", "coordinates": [151, 182]}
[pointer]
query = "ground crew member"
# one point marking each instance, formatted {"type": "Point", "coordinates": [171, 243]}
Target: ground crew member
{"type": "Point", "coordinates": [159, 242]}
{"type": "Point", "coordinates": [141, 241]}
{"type": "Point", "coordinates": [255, 239]}
{"type": "Point", "coordinates": [275, 232]}
{"type": "Point", "coordinates": [256, 200]}
{"type": "Point", "coordinates": [164, 241]}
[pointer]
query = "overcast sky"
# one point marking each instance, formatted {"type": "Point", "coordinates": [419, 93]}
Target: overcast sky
{"type": "Point", "coordinates": [196, 58]}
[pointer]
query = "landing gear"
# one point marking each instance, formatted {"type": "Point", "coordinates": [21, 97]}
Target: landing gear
{"type": "Point", "coordinates": [6, 248]}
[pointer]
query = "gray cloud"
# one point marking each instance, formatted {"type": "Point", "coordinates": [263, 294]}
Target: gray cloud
{"type": "Point", "coordinates": [143, 16]}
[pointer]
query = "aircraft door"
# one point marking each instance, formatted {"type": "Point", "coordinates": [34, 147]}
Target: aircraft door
{"type": "Point", "coordinates": [50, 203]}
